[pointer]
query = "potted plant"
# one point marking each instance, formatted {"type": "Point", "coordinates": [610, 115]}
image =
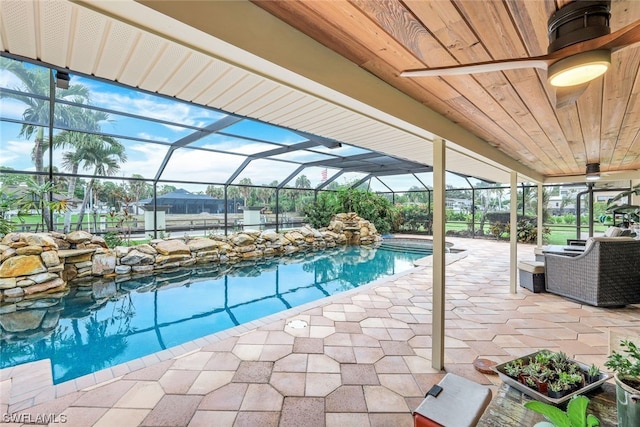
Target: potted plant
{"type": "Point", "coordinates": [626, 367]}
{"type": "Point", "coordinates": [557, 389]}
{"type": "Point", "coordinates": [514, 368]}
{"type": "Point", "coordinates": [550, 376]}
{"type": "Point", "coordinates": [575, 415]}
{"type": "Point", "coordinates": [593, 374]}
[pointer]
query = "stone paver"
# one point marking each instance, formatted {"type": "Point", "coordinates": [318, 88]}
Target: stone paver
{"type": "Point", "coordinates": [362, 358]}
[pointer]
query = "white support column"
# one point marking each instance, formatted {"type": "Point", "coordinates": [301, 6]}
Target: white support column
{"type": "Point", "coordinates": [439, 164]}
{"type": "Point", "coordinates": [513, 234]}
{"type": "Point", "coordinates": [540, 208]}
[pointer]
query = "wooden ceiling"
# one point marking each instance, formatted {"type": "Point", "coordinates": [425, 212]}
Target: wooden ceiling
{"type": "Point", "coordinates": [514, 110]}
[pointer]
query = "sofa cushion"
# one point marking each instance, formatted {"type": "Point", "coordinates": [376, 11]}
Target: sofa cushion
{"type": "Point", "coordinates": [613, 232]}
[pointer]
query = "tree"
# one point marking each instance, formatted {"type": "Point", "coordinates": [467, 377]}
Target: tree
{"type": "Point", "coordinates": [139, 189]}
{"type": "Point", "coordinates": [568, 198]}
{"type": "Point", "coordinates": [78, 142]}
{"type": "Point", "coordinates": [113, 194]}
{"type": "Point", "coordinates": [103, 154]}
{"type": "Point", "coordinates": [166, 189]}
{"type": "Point", "coordinates": [246, 191]}
{"type": "Point", "coordinates": [484, 200]}
{"type": "Point", "coordinates": [303, 182]}
{"type": "Point", "coordinates": [35, 197]}
{"type": "Point", "coordinates": [12, 179]}
{"type": "Point", "coordinates": [36, 115]}
{"type": "Point", "coordinates": [419, 194]}
{"type": "Point", "coordinates": [213, 191]}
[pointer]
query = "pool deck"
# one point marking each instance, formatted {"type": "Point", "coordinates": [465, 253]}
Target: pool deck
{"type": "Point", "coordinates": [363, 359]}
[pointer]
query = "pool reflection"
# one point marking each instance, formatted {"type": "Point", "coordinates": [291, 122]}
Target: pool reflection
{"type": "Point", "coordinates": [103, 323]}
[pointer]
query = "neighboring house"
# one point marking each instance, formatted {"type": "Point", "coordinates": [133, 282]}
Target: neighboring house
{"type": "Point", "coordinates": [458, 205]}
{"type": "Point", "coordinates": [555, 207]}
{"type": "Point", "coordinates": [182, 201]}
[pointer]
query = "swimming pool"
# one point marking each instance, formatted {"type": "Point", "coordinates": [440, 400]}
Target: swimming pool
{"type": "Point", "coordinates": [107, 322]}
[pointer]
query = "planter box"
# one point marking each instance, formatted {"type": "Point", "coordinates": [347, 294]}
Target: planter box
{"type": "Point", "coordinates": [542, 397]}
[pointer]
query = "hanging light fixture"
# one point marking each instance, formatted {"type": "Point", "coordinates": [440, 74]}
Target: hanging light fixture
{"type": "Point", "coordinates": [593, 171]}
{"type": "Point", "coordinates": [62, 80]}
{"type": "Point", "coordinates": [575, 23]}
{"type": "Point", "coordinates": [580, 68]}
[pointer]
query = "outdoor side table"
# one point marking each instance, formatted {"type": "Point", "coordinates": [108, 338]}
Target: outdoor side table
{"type": "Point", "coordinates": [457, 402]}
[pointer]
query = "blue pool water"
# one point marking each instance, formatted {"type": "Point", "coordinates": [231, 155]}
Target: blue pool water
{"type": "Point", "coordinates": [107, 323]}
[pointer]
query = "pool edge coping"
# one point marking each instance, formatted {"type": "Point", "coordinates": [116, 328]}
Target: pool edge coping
{"type": "Point", "coordinates": [38, 394]}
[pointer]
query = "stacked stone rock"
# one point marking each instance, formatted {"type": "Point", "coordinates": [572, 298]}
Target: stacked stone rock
{"type": "Point", "coordinates": [356, 231]}
{"type": "Point", "coordinates": [37, 265]}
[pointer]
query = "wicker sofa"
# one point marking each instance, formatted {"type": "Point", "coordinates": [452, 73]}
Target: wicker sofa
{"type": "Point", "coordinates": [606, 274]}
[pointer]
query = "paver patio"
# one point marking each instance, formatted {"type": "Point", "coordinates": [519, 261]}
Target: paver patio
{"type": "Point", "coordinates": [362, 359]}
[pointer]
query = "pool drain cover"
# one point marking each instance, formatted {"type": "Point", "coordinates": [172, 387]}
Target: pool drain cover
{"type": "Point", "coordinates": [297, 324]}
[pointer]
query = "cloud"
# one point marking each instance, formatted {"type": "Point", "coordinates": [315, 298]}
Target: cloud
{"type": "Point", "coordinates": [17, 154]}
{"type": "Point", "coordinates": [144, 159]}
{"type": "Point", "coordinates": [12, 108]}
{"type": "Point", "coordinates": [145, 135]}
{"type": "Point", "coordinates": [155, 107]}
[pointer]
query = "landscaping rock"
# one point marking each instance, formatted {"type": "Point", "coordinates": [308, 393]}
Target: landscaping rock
{"type": "Point", "coordinates": [79, 236]}
{"type": "Point", "coordinates": [22, 265]}
{"type": "Point", "coordinates": [172, 247]}
{"type": "Point", "coordinates": [32, 267]}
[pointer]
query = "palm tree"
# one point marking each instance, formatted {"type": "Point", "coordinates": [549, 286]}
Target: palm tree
{"type": "Point", "coordinates": [36, 116]}
{"type": "Point", "coordinates": [233, 194]}
{"type": "Point", "coordinates": [303, 182]}
{"type": "Point", "coordinates": [213, 191]}
{"type": "Point", "coordinates": [246, 191]}
{"type": "Point", "coordinates": [138, 190]}
{"type": "Point", "coordinates": [166, 189]}
{"type": "Point", "coordinates": [87, 120]}
{"type": "Point", "coordinates": [113, 193]}
{"type": "Point", "coordinates": [104, 154]}
{"type": "Point", "coordinates": [35, 198]}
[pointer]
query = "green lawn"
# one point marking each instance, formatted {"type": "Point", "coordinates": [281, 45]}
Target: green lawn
{"type": "Point", "coordinates": [558, 236]}
{"type": "Point", "coordinates": [559, 233]}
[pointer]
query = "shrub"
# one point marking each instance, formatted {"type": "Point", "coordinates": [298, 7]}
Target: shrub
{"type": "Point", "coordinates": [527, 232]}
{"type": "Point", "coordinates": [319, 213]}
{"type": "Point", "coordinates": [414, 218]}
{"type": "Point", "coordinates": [496, 229]}
{"type": "Point", "coordinates": [113, 239]}
{"type": "Point", "coordinates": [370, 206]}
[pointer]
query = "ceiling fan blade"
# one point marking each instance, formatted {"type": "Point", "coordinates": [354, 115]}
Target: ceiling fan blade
{"type": "Point", "coordinates": [541, 62]}
{"type": "Point", "coordinates": [617, 40]}
{"type": "Point", "coordinates": [568, 95]}
{"type": "Point", "coordinates": [622, 38]}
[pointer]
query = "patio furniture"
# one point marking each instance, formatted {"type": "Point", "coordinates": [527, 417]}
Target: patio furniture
{"type": "Point", "coordinates": [606, 274]}
{"type": "Point", "coordinates": [532, 275]}
{"type": "Point", "coordinates": [454, 401]}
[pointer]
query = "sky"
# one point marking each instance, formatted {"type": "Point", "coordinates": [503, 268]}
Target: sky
{"type": "Point", "coordinates": [146, 141]}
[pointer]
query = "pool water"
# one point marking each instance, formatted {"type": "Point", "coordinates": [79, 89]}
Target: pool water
{"type": "Point", "coordinates": [422, 246]}
{"type": "Point", "coordinates": [109, 322]}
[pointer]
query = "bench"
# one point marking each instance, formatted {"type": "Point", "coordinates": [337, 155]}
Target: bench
{"type": "Point", "coordinates": [532, 275]}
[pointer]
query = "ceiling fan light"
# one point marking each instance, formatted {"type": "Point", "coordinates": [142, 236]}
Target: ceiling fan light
{"type": "Point", "coordinates": [593, 171]}
{"type": "Point", "coordinates": [580, 68]}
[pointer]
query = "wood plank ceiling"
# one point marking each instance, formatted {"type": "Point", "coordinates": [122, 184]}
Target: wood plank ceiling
{"type": "Point", "coordinates": [514, 110]}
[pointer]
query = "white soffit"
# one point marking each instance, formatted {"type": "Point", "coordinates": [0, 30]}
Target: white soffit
{"type": "Point", "coordinates": [103, 43]}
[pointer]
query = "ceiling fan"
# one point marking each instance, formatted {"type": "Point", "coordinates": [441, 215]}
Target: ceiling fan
{"type": "Point", "coordinates": [580, 47]}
